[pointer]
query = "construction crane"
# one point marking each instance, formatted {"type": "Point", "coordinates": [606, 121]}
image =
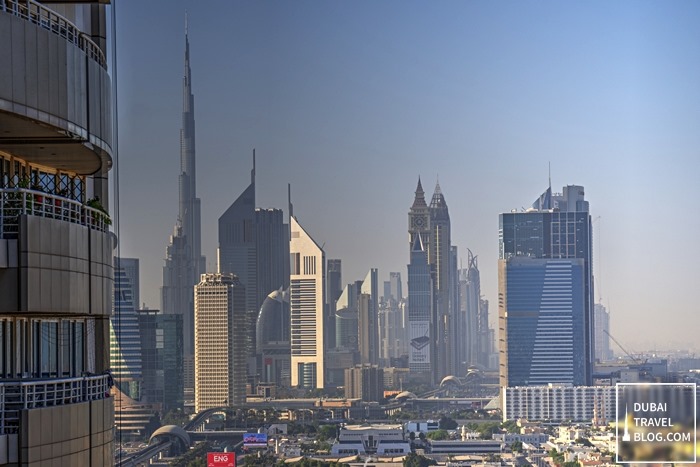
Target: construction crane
{"type": "Point", "coordinates": [633, 358]}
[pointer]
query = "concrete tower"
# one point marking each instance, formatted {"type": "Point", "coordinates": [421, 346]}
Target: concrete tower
{"type": "Point", "coordinates": [220, 347]}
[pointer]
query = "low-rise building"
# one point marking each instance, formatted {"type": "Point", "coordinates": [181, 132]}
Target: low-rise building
{"type": "Point", "coordinates": [382, 440]}
{"type": "Point", "coordinates": [470, 446]}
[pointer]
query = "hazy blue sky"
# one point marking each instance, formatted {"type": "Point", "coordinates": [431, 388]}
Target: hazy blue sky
{"type": "Point", "coordinates": [351, 101]}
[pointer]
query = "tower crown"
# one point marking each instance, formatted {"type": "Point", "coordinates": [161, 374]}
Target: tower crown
{"type": "Point", "coordinates": [419, 200]}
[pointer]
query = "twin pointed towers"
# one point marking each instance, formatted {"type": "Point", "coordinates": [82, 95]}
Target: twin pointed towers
{"type": "Point", "coordinates": [433, 305]}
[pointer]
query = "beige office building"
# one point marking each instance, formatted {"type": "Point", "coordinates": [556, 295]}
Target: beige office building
{"type": "Point", "coordinates": [220, 342]}
{"type": "Point", "coordinates": [307, 298]}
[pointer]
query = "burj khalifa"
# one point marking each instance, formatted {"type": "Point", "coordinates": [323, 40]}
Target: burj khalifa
{"type": "Point", "coordinates": [184, 261]}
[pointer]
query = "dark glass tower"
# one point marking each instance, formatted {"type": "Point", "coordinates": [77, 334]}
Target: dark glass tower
{"type": "Point", "coordinates": [546, 292]}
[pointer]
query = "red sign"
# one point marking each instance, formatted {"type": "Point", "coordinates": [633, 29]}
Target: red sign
{"type": "Point", "coordinates": [221, 459]}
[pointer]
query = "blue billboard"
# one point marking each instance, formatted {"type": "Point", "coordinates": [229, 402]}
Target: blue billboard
{"type": "Point", "coordinates": [255, 440]}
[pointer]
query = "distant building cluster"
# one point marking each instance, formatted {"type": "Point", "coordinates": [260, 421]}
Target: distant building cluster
{"type": "Point", "coordinates": [277, 315]}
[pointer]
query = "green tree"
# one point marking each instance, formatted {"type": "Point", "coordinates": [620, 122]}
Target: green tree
{"type": "Point", "coordinates": [511, 426]}
{"type": "Point", "coordinates": [326, 432]}
{"type": "Point", "coordinates": [446, 423]}
{"type": "Point", "coordinates": [414, 460]}
{"type": "Point", "coordinates": [517, 446]}
{"type": "Point", "coordinates": [438, 435]}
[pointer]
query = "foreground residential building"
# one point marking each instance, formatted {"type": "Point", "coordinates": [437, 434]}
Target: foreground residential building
{"type": "Point", "coordinates": [55, 246]}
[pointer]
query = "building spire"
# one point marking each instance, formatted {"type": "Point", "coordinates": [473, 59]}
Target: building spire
{"type": "Point", "coordinates": [419, 200]}
{"type": "Point", "coordinates": [252, 172]}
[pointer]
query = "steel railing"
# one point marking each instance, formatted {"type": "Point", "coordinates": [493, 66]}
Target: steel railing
{"type": "Point", "coordinates": [15, 202]}
{"type": "Point", "coordinates": [48, 19]}
{"type": "Point", "coordinates": [19, 395]}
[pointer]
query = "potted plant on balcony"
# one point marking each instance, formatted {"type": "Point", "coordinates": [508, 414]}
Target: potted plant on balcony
{"type": "Point", "coordinates": [103, 215]}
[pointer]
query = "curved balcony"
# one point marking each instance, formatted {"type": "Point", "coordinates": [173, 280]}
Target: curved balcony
{"type": "Point", "coordinates": [55, 99]}
{"type": "Point", "coordinates": [33, 394]}
{"type": "Point", "coordinates": [15, 202]}
{"type": "Point", "coordinates": [57, 24]}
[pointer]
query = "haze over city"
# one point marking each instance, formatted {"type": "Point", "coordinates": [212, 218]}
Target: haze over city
{"type": "Point", "coordinates": [351, 102]}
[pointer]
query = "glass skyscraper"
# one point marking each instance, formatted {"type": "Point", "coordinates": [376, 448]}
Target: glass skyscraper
{"type": "Point", "coordinates": [125, 341]}
{"type": "Point", "coordinates": [545, 292]}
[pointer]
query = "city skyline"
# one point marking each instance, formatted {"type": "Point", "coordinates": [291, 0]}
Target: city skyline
{"type": "Point", "coordinates": [482, 97]}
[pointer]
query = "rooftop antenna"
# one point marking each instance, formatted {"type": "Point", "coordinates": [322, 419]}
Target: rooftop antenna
{"type": "Point", "coordinates": [252, 172]}
{"type": "Point", "coordinates": [549, 164]}
{"type": "Point", "coordinates": [186, 28]}
{"type": "Point", "coordinates": [290, 207]}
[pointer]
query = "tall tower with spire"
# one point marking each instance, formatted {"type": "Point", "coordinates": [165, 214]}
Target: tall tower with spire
{"type": "Point", "coordinates": [254, 245]}
{"type": "Point", "coordinates": [418, 218]}
{"type": "Point", "coordinates": [439, 252]}
{"type": "Point", "coordinates": [184, 261]}
{"type": "Point", "coordinates": [421, 322]}
{"type": "Point", "coordinates": [431, 223]}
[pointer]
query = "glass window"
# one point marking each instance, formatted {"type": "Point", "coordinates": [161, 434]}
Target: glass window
{"type": "Point", "coordinates": [49, 348]}
{"type": "Point", "coordinates": [78, 347]}
{"type": "Point", "coordinates": [65, 348]}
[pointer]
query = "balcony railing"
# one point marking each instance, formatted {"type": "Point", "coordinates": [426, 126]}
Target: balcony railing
{"type": "Point", "coordinates": [48, 19]}
{"type": "Point", "coordinates": [16, 396]}
{"type": "Point", "coordinates": [15, 202]}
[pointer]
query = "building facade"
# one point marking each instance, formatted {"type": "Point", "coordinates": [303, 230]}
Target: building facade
{"type": "Point", "coordinates": [125, 340]}
{"type": "Point", "coordinates": [307, 299]}
{"type": "Point", "coordinates": [368, 314]}
{"type": "Point", "coordinates": [220, 344]}
{"type": "Point", "coordinates": [183, 256]}
{"type": "Point", "coordinates": [272, 340]}
{"type": "Point", "coordinates": [161, 359]}
{"type": "Point", "coordinates": [603, 352]}
{"type": "Point", "coordinates": [56, 271]}
{"type": "Point", "coordinates": [559, 403]}
{"type": "Point", "coordinates": [365, 382]}
{"type": "Point", "coordinates": [420, 317]}
{"type": "Point", "coordinates": [545, 292]}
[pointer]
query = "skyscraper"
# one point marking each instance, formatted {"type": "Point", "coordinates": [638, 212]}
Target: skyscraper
{"type": "Point", "coordinates": [603, 352]}
{"type": "Point", "coordinates": [439, 254]}
{"type": "Point", "coordinates": [273, 339]}
{"type": "Point", "coordinates": [307, 298]}
{"type": "Point", "coordinates": [161, 358]}
{"type": "Point", "coordinates": [334, 278]}
{"type": "Point", "coordinates": [125, 341]}
{"type": "Point", "coordinates": [184, 261]}
{"type": "Point", "coordinates": [475, 328]}
{"type": "Point", "coordinates": [368, 311]}
{"type": "Point", "coordinates": [254, 245]}
{"type": "Point", "coordinates": [396, 286]}
{"type": "Point", "coordinates": [420, 313]}
{"type": "Point", "coordinates": [220, 347]}
{"type": "Point", "coordinates": [545, 292]}
{"type": "Point", "coordinates": [432, 223]}
{"type": "Point", "coordinates": [56, 271]}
